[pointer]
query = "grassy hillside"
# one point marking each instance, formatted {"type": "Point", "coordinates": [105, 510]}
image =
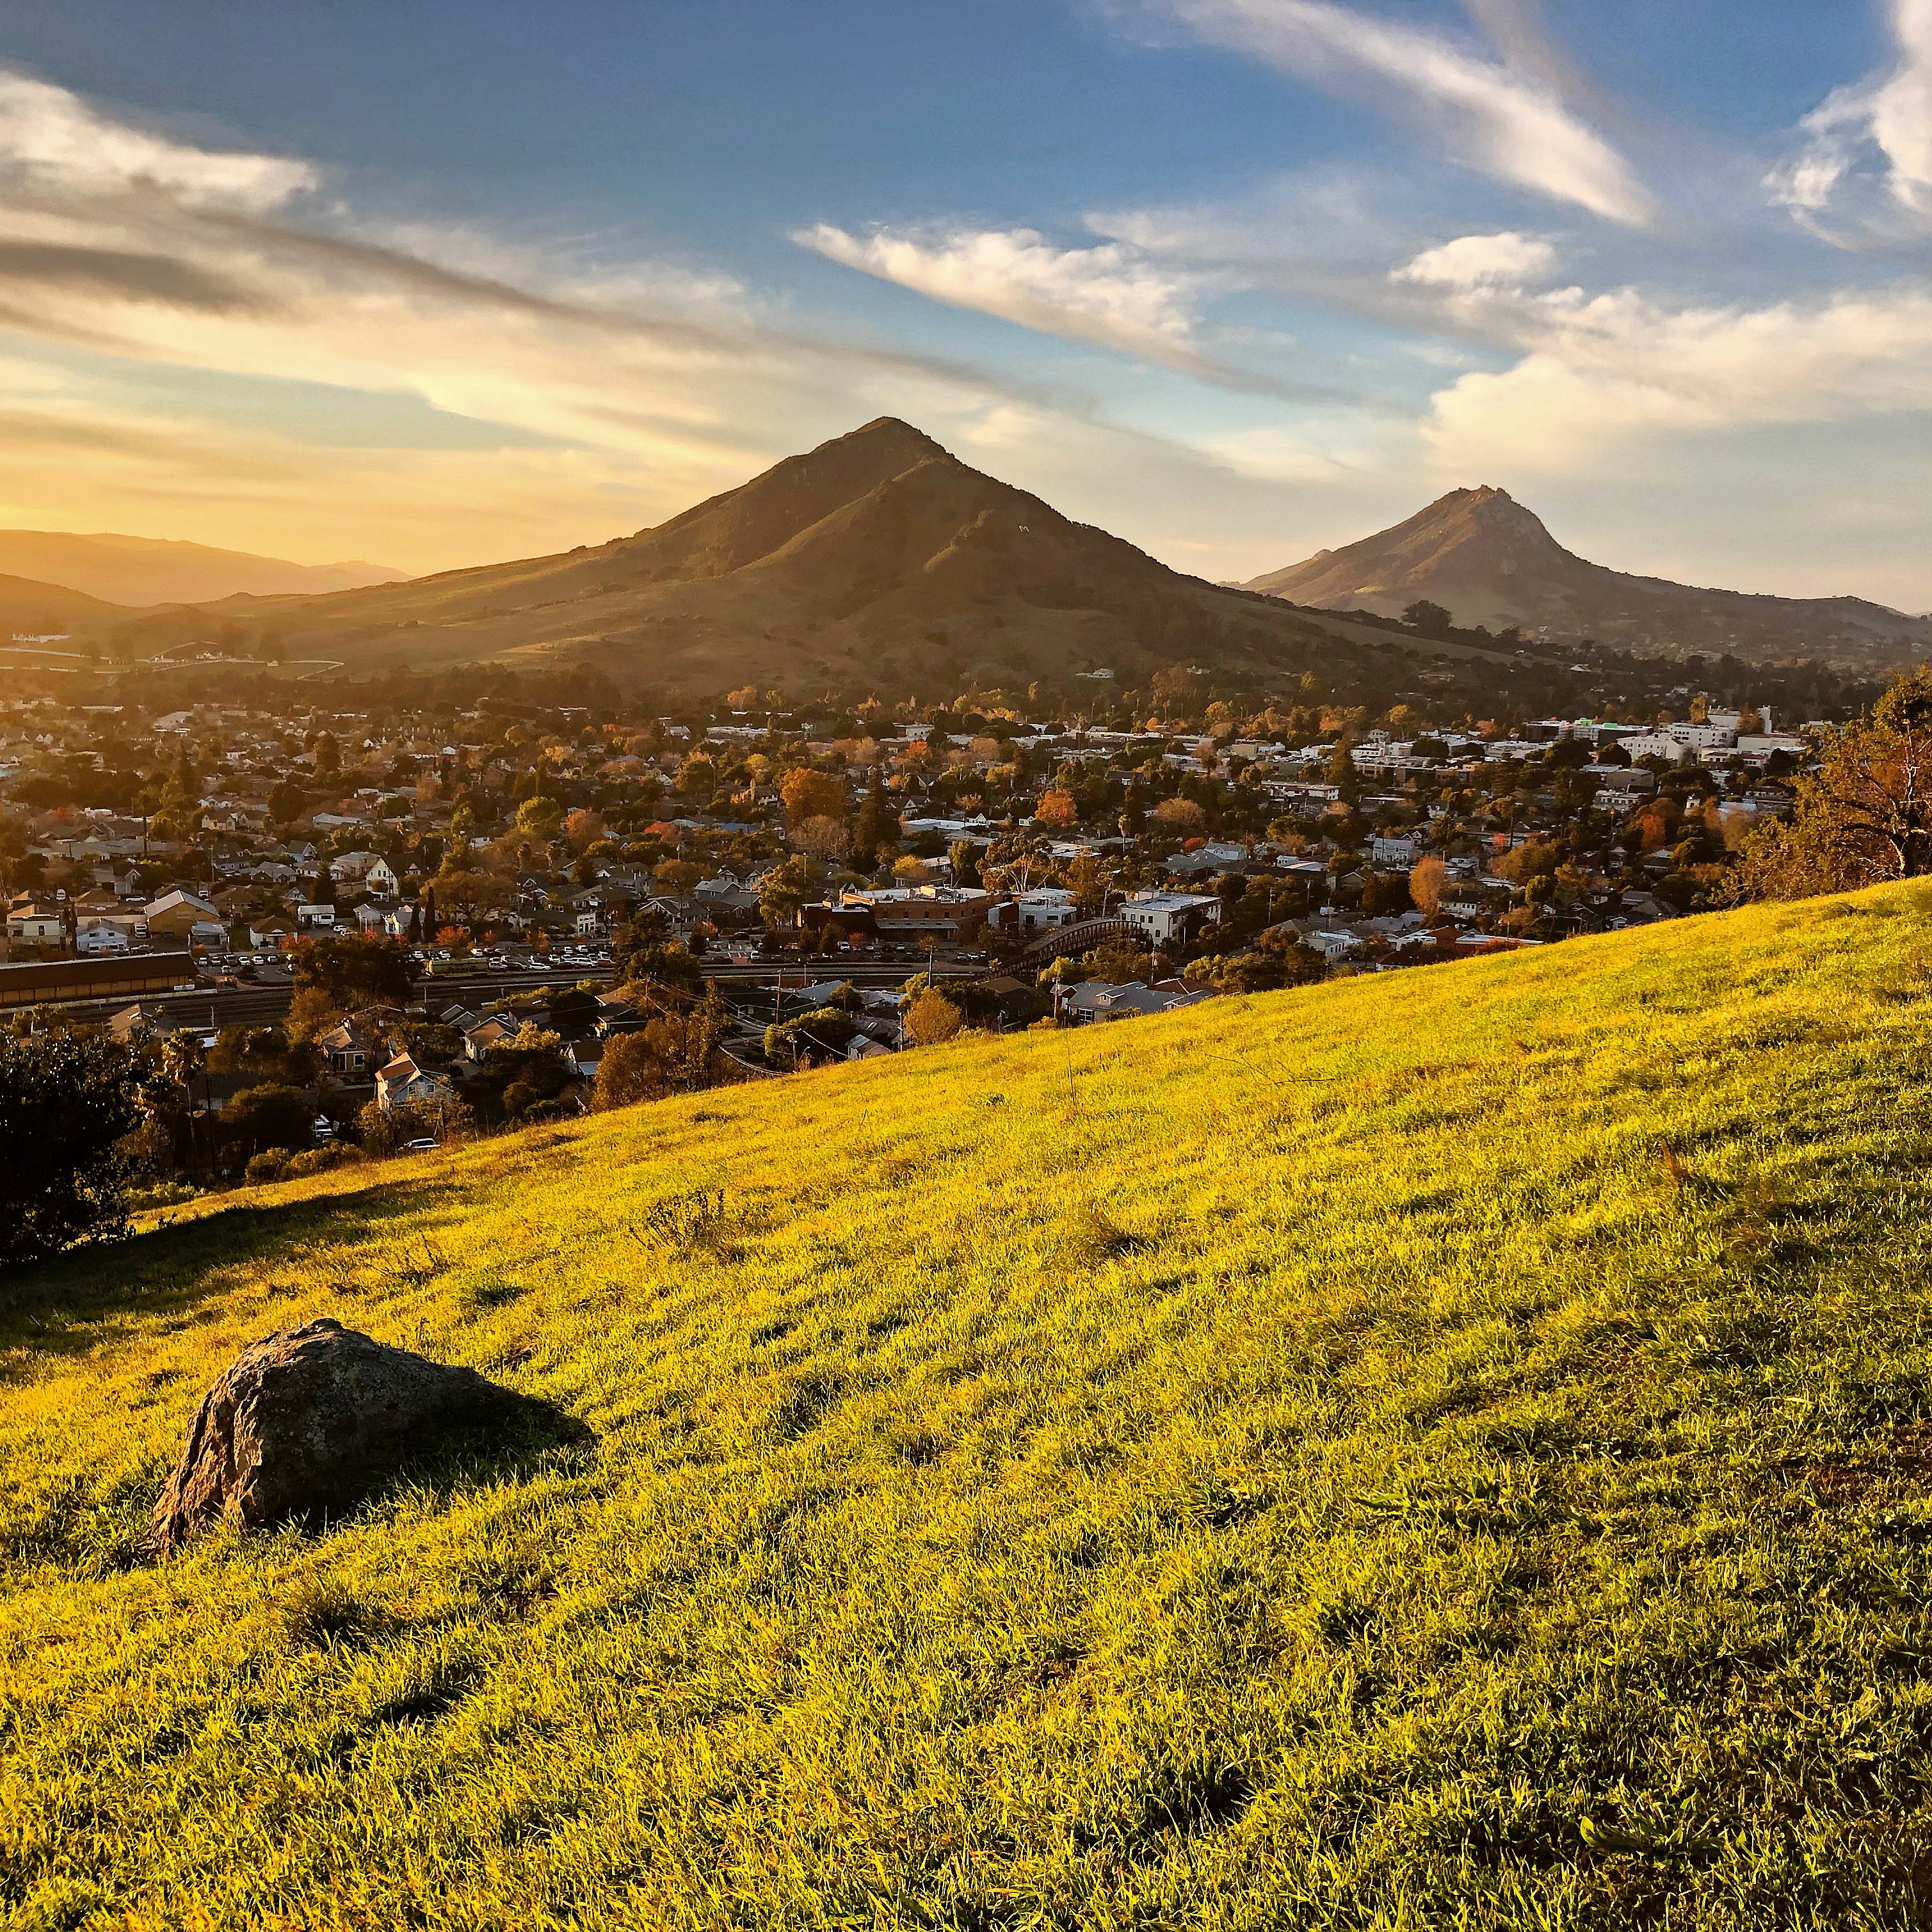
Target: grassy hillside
{"type": "Point", "coordinates": [1452, 1449]}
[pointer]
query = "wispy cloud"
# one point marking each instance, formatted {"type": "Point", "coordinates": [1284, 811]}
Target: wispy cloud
{"type": "Point", "coordinates": [1865, 171]}
{"type": "Point", "coordinates": [1112, 293]}
{"type": "Point", "coordinates": [1507, 118]}
{"type": "Point", "coordinates": [649, 385]}
{"type": "Point", "coordinates": [1109, 294]}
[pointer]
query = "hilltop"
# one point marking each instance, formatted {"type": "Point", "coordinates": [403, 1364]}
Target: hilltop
{"type": "Point", "coordinates": [877, 554]}
{"type": "Point", "coordinates": [1489, 560]}
{"type": "Point", "coordinates": [137, 571]}
{"type": "Point", "coordinates": [1450, 1448]}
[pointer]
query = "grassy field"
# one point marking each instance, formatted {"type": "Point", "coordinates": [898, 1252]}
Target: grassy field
{"type": "Point", "coordinates": [1451, 1449]}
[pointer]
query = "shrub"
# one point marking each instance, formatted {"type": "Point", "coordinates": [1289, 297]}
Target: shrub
{"type": "Point", "coordinates": [930, 1019]}
{"type": "Point", "coordinates": [268, 1164]}
{"type": "Point", "coordinates": [318, 1160]}
{"type": "Point", "coordinates": [64, 1103]}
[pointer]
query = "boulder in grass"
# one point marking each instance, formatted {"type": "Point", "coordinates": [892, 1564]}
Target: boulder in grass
{"type": "Point", "coordinates": [304, 1423]}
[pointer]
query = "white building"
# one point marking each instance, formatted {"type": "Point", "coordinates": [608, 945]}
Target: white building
{"type": "Point", "coordinates": [1159, 917]}
{"type": "Point", "coordinates": [1657, 745]}
{"type": "Point", "coordinates": [368, 869]}
{"type": "Point", "coordinates": [108, 932]}
{"type": "Point", "coordinates": [1757, 746]}
{"type": "Point", "coordinates": [1045, 909]}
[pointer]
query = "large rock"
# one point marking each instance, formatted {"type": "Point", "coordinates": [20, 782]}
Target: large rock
{"type": "Point", "coordinates": [304, 1424]}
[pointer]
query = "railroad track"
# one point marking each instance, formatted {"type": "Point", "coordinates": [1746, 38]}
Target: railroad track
{"type": "Point", "coordinates": [221, 1006]}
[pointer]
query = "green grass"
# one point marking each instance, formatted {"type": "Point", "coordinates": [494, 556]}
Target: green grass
{"type": "Point", "coordinates": [1452, 1449]}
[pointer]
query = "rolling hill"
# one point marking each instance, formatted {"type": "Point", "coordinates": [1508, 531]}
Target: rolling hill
{"type": "Point", "coordinates": [1490, 561]}
{"type": "Point", "coordinates": [1447, 1448]}
{"type": "Point", "coordinates": [876, 550]}
{"type": "Point", "coordinates": [149, 570]}
{"type": "Point", "coordinates": [43, 609]}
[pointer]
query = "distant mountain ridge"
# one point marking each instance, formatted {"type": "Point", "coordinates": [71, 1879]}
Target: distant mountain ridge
{"type": "Point", "coordinates": [1488, 560]}
{"type": "Point", "coordinates": [140, 570]}
{"type": "Point", "coordinates": [878, 551]}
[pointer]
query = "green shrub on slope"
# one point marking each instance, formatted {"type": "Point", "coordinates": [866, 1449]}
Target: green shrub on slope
{"type": "Point", "coordinates": [1452, 1449]}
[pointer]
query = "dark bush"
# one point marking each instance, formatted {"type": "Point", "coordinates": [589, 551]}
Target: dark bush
{"type": "Point", "coordinates": [64, 1103]}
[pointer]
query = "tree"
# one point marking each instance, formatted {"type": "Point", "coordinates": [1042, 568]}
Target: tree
{"type": "Point", "coordinates": [1865, 816]}
{"type": "Point", "coordinates": [930, 1020]}
{"type": "Point", "coordinates": [65, 1100]}
{"type": "Point", "coordinates": [628, 1072]}
{"type": "Point", "coordinates": [822, 836]}
{"type": "Point", "coordinates": [1426, 882]}
{"type": "Point", "coordinates": [469, 893]}
{"type": "Point", "coordinates": [260, 1118]}
{"type": "Point", "coordinates": [1536, 858]}
{"type": "Point", "coordinates": [583, 829]}
{"type": "Point", "coordinates": [1431, 619]}
{"type": "Point", "coordinates": [1277, 959]}
{"type": "Point", "coordinates": [526, 1069]}
{"type": "Point", "coordinates": [811, 794]}
{"type": "Point", "coordinates": [1180, 816]}
{"type": "Point", "coordinates": [268, 1053]}
{"type": "Point", "coordinates": [1058, 807]}
{"type": "Point", "coordinates": [539, 819]}
{"type": "Point", "coordinates": [877, 824]}
{"type": "Point", "coordinates": [678, 877]}
{"type": "Point", "coordinates": [354, 970]}
{"type": "Point", "coordinates": [824, 1029]}
{"type": "Point", "coordinates": [1385, 892]}
{"type": "Point", "coordinates": [784, 889]}
{"type": "Point", "coordinates": [286, 802]}
{"type": "Point", "coordinates": [676, 1053]}
{"type": "Point", "coordinates": [660, 964]}
{"type": "Point", "coordinates": [1087, 880]}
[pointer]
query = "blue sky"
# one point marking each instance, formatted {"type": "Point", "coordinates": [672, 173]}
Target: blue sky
{"type": "Point", "coordinates": [437, 283]}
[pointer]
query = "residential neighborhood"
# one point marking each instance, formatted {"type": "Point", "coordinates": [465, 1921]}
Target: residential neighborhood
{"type": "Point", "coordinates": [844, 882]}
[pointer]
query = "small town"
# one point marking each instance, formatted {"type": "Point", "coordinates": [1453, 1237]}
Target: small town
{"type": "Point", "coordinates": [389, 923]}
{"type": "Point", "coordinates": [628, 633]}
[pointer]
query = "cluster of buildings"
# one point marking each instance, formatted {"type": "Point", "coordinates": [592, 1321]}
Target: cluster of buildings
{"type": "Point", "coordinates": [313, 818]}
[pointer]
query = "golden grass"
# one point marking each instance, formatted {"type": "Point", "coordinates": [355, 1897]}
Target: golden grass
{"type": "Point", "coordinates": [1449, 1449]}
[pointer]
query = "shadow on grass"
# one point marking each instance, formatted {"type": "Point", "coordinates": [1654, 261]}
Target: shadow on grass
{"type": "Point", "coordinates": [508, 1434]}
{"type": "Point", "coordinates": [51, 1309]}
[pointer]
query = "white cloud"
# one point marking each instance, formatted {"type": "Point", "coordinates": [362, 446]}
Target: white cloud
{"type": "Point", "coordinates": [1110, 294]}
{"type": "Point", "coordinates": [50, 137]}
{"type": "Point", "coordinates": [1866, 166]}
{"type": "Point", "coordinates": [1498, 116]}
{"type": "Point", "coordinates": [1507, 260]}
{"type": "Point", "coordinates": [1604, 371]}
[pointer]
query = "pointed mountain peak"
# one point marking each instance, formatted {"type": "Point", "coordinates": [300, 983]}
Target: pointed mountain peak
{"type": "Point", "coordinates": [887, 436]}
{"type": "Point", "coordinates": [1484, 509]}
